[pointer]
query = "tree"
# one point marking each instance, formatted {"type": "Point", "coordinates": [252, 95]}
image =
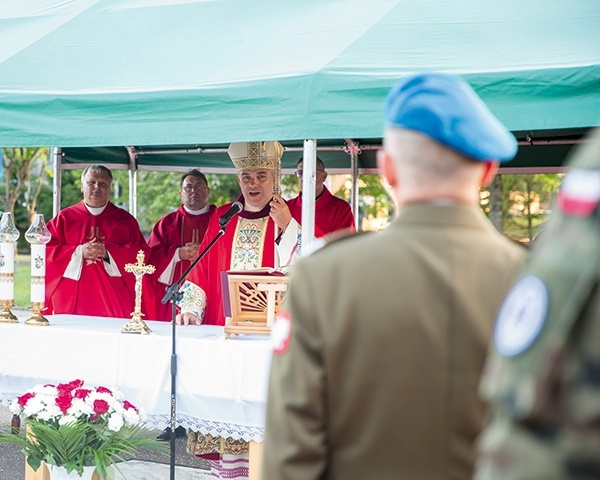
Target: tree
{"type": "Point", "coordinates": [526, 203]}
{"type": "Point", "coordinates": [375, 206]}
{"type": "Point", "coordinates": [25, 171]}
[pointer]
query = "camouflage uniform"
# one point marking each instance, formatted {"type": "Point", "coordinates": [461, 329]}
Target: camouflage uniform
{"type": "Point", "coordinates": [543, 377]}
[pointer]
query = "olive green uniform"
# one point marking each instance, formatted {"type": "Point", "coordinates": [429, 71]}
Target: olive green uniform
{"type": "Point", "coordinates": [544, 385]}
{"type": "Point", "coordinates": [389, 333]}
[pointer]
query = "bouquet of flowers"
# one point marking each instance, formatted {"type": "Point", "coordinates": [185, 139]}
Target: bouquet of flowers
{"type": "Point", "coordinates": [73, 426]}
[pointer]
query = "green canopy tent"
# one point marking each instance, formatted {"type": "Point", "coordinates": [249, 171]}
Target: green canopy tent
{"type": "Point", "coordinates": [92, 73]}
{"type": "Point", "coordinates": [115, 79]}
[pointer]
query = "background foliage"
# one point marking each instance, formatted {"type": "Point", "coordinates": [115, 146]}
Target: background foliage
{"type": "Point", "coordinates": [26, 188]}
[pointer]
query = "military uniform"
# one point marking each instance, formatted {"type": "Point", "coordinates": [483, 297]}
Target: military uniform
{"type": "Point", "coordinates": [389, 333]}
{"type": "Point", "coordinates": [543, 377]}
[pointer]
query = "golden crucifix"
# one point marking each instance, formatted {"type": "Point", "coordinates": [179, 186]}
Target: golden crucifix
{"type": "Point", "coordinates": [136, 324]}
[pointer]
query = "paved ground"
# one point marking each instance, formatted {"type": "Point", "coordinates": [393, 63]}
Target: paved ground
{"type": "Point", "coordinates": [147, 466]}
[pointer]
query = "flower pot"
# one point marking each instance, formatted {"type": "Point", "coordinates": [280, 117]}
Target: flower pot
{"type": "Point", "coordinates": [60, 473]}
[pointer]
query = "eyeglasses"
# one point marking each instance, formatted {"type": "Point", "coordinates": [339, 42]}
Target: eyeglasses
{"type": "Point", "coordinates": [199, 187]}
{"type": "Point", "coordinates": [299, 172]}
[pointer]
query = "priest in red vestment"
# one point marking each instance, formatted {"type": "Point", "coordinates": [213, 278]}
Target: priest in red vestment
{"type": "Point", "coordinates": [249, 239]}
{"type": "Point", "coordinates": [175, 240]}
{"type": "Point", "coordinates": [331, 213]}
{"type": "Point", "coordinates": [248, 243]}
{"type": "Point", "coordinates": [91, 242]}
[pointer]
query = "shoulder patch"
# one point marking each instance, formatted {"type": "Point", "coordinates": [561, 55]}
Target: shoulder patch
{"type": "Point", "coordinates": [580, 192]}
{"type": "Point", "coordinates": [281, 331]}
{"type": "Point", "coordinates": [521, 316]}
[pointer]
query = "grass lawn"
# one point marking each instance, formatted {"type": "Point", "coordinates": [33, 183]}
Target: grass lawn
{"type": "Point", "coordinates": [22, 281]}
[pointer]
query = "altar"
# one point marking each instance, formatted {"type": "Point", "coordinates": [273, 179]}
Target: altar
{"type": "Point", "coordinates": [221, 384]}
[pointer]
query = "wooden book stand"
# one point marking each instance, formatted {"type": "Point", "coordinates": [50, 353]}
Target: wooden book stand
{"type": "Point", "coordinates": [251, 300]}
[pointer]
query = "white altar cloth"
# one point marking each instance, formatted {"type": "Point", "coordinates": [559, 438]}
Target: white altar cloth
{"type": "Point", "coordinates": [221, 384]}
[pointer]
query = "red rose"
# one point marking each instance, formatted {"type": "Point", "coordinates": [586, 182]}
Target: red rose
{"type": "Point", "coordinates": [100, 407]}
{"type": "Point", "coordinates": [64, 401]}
{"type": "Point", "coordinates": [69, 387]}
{"type": "Point", "coordinates": [128, 405]}
{"type": "Point", "coordinates": [103, 390]}
{"type": "Point", "coordinates": [23, 399]}
{"type": "Point", "coordinates": [81, 393]}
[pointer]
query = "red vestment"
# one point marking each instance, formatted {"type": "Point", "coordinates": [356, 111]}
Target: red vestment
{"type": "Point", "coordinates": [171, 232]}
{"type": "Point", "coordinates": [331, 213]}
{"type": "Point", "coordinates": [207, 273]}
{"type": "Point", "coordinates": [96, 292]}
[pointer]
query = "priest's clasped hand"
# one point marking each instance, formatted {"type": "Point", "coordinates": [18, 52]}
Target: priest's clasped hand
{"type": "Point", "coordinates": [189, 251]}
{"type": "Point", "coordinates": [94, 251]}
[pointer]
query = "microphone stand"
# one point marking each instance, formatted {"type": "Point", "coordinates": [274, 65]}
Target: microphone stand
{"type": "Point", "coordinates": [175, 295]}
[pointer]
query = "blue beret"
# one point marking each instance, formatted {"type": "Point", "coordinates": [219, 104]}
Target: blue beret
{"type": "Point", "coordinates": [445, 108]}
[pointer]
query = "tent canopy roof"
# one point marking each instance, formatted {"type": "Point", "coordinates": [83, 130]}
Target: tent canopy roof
{"type": "Point", "coordinates": [106, 73]}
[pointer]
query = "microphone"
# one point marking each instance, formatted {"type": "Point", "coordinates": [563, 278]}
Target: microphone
{"type": "Point", "coordinates": [236, 207]}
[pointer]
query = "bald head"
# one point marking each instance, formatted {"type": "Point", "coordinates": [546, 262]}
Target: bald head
{"type": "Point", "coordinates": [421, 169]}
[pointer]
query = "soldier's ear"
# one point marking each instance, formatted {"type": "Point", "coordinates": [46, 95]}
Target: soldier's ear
{"type": "Point", "coordinates": [387, 167]}
{"type": "Point", "coordinates": [489, 172]}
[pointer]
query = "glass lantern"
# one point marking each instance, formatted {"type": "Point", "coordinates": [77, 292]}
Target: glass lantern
{"type": "Point", "coordinates": [8, 238]}
{"type": "Point", "coordinates": [38, 236]}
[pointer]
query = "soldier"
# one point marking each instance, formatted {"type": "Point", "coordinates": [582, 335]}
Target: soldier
{"type": "Point", "coordinates": [377, 365]}
{"type": "Point", "coordinates": [543, 375]}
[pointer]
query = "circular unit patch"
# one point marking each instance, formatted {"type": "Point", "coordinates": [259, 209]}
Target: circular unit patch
{"type": "Point", "coordinates": [521, 317]}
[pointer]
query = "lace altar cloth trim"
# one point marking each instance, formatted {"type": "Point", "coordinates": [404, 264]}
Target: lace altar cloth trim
{"type": "Point", "coordinates": [226, 430]}
{"type": "Point", "coordinates": [217, 429]}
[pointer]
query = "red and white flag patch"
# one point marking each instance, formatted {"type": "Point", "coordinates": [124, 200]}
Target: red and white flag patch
{"type": "Point", "coordinates": [580, 192]}
{"type": "Point", "coordinates": [281, 331]}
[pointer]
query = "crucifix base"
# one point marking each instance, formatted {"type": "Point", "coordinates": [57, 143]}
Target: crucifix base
{"type": "Point", "coordinates": [136, 325]}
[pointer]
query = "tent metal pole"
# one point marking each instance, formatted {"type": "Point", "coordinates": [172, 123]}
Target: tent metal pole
{"type": "Point", "coordinates": [56, 158]}
{"type": "Point", "coordinates": [354, 152]}
{"type": "Point", "coordinates": [309, 168]}
{"type": "Point", "coordinates": [132, 184]}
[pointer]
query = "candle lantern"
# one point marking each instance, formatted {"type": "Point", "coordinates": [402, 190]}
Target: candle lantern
{"type": "Point", "coordinates": [38, 236]}
{"type": "Point", "coordinates": [8, 237]}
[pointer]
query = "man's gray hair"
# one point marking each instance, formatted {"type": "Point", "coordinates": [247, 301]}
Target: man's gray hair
{"type": "Point", "coordinates": [96, 167]}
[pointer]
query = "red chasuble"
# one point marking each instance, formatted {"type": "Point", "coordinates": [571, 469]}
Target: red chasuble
{"type": "Point", "coordinates": [230, 253]}
{"type": "Point", "coordinates": [331, 213]}
{"type": "Point", "coordinates": [171, 232]}
{"type": "Point", "coordinates": [96, 292]}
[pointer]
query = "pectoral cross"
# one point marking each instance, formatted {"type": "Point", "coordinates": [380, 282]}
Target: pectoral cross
{"type": "Point", "coordinates": [95, 234]}
{"type": "Point", "coordinates": [139, 269]}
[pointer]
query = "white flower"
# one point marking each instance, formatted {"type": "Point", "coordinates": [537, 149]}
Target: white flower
{"type": "Point", "coordinates": [80, 407]}
{"type": "Point", "coordinates": [115, 422]}
{"type": "Point", "coordinates": [47, 390]}
{"type": "Point", "coordinates": [15, 408]}
{"type": "Point", "coordinates": [67, 419]}
{"type": "Point", "coordinates": [142, 414]}
{"type": "Point", "coordinates": [45, 415]}
{"type": "Point", "coordinates": [131, 416]}
{"type": "Point", "coordinates": [117, 394]}
{"type": "Point", "coordinates": [34, 406]}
